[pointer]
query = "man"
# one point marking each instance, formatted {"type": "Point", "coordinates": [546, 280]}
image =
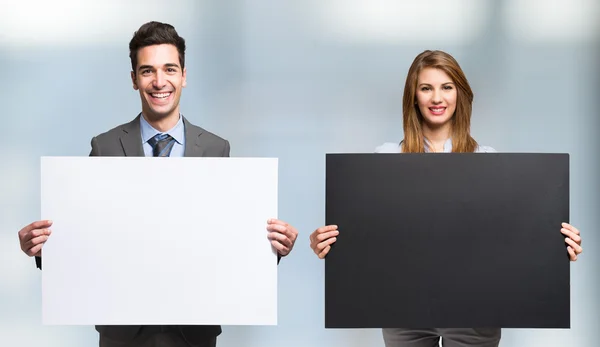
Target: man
{"type": "Point", "coordinates": [157, 55]}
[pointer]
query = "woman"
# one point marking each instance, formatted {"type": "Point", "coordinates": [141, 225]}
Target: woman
{"type": "Point", "coordinates": [437, 108]}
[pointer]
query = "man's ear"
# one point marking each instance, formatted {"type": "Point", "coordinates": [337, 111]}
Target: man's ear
{"type": "Point", "coordinates": [135, 86]}
{"type": "Point", "coordinates": [183, 82]}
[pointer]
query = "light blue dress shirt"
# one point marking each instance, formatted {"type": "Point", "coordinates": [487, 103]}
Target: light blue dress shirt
{"type": "Point", "coordinates": [177, 132]}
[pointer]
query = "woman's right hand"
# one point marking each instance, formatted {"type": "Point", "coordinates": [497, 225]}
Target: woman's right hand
{"type": "Point", "coordinates": [322, 239]}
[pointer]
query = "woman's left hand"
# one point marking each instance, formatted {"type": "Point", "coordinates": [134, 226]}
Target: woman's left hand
{"type": "Point", "coordinates": [573, 240]}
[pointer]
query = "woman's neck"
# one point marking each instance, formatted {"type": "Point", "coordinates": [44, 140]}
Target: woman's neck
{"type": "Point", "coordinates": [437, 136]}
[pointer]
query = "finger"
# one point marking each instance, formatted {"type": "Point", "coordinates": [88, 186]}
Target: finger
{"type": "Point", "coordinates": [287, 230]}
{"type": "Point", "coordinates": [327, 235]}
{"type": "Point", "coordinates": [281, 249]}
{"type": "Point", "coordinates": [322, 245]}
{"type": "Point", "coordinates": [326, 228]}
{"type": "Point", "coordinates": [276, 221]}
{"type": "Point", "coordinates": [277, 227]}
{"type": "Point", "coordinates": [293, 233]}
{"type": "Point", "coordinates": [324, 253]}
{"type": "Point", "coordinates": [321, 230]}
{"type": "Point", "coordinates": [34, 234]}
{"type": "Point", "coordinates": [572, 254]}
{"type": "Point", "coordinates": [35, 251]}
{"type": "Point", "coordinates": [35, 241]}
{"type": "Point", "coordinates": [570, 227]}
{"type": "Point", "coordinates": [280, 229]}
{"type": "Point", "coordinates": [571, 235]}
{"type": "Point", "coordinates": [275, 236]}
{"type": "Point", "coordinates": [319, 247]}
{"type": "Point", "coordinates": [40, 224]}
{"type": "Point", "coordinates": [577, 248]}
{"type": "Point", "coordinates": [320, 238]}
{"type": "Point", "coordinates": [40, 232]}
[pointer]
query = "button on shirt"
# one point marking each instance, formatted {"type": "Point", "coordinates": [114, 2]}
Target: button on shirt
{"type": "Point", "coordinates": [177, 132]}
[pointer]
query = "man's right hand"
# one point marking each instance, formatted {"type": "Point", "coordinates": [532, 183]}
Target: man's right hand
{"type": "Point", "coordinates": [33, 237]}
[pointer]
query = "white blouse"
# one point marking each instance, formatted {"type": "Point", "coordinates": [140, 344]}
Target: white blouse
{"type": "Point", "coordinates": [391, 147]}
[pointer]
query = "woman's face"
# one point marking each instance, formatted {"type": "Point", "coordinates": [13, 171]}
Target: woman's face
{"type": "Point", "coordinates": [436, 97]}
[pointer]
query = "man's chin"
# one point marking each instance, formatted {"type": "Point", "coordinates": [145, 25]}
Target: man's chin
{"type": "Point", "coordinates": [154, 114]}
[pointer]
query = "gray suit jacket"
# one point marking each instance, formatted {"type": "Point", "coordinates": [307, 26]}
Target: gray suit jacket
{"type": "Point", "coordinates": [125, 140]}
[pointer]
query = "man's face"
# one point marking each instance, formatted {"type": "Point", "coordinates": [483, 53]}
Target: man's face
{"type": "Point", "coordinates": [160, 79]}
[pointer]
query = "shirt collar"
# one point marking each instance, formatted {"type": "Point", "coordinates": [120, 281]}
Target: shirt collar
{"type": "Point", "coordinates": [447, 145]}
{"type": "Point", "coordinates": [149, 132]}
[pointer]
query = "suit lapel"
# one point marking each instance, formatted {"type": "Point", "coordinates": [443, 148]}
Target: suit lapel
{"type": "Point", "coordinates": [131, 138]}
{"type": "Point", "coordinates": [192, 140]}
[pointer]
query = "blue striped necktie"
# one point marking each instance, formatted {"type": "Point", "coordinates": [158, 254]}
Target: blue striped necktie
{"type": "Point", "coordinates": [161, 145]}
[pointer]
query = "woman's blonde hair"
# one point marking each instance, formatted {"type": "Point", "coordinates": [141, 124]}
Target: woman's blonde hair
{"type": "Point", "coordinates": [414, 141]}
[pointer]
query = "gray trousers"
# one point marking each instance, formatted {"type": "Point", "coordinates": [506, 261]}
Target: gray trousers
{"type": "Point", "coordinates": [459, 337]}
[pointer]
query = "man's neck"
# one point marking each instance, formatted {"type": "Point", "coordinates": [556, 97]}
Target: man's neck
{"type": "Point", "coordinates": [163, 124]}
{"type": "Point", "coordinates": [437, 137]}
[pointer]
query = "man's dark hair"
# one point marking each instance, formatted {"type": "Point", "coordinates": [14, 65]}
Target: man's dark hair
{"type": "Point", "coordinates": [155, 33]}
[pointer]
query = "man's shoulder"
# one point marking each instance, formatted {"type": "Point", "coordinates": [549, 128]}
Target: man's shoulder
{"type": "Point", "coordinates": [205, 134]}
{"type": "Point", "coordinates": [211, 144]}
{"type": "Point", "coordinates": [116, 131]}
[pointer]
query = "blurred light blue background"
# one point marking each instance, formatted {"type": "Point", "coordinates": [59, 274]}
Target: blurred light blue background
{"type": "Point", "coordinates": [296, 80]}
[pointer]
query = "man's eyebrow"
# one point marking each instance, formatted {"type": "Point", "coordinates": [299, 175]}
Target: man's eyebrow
{"type": "Point", "coordinates": [143, 67]}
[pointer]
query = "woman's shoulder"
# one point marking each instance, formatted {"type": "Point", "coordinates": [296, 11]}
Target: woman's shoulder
{"type": "Point", "coordinates": [388, 147]}
{"type": "Point", "coordinates": [485, 149]}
